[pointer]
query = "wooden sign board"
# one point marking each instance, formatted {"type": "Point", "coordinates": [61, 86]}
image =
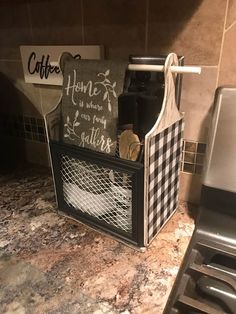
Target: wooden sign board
{"type": "Point", "coordinates": [89, 103]}
{"type": "Point", "coordinates": [40, 63]}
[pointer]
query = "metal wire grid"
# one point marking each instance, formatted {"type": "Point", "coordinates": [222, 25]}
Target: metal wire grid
{"type": "Point", "coordinates": [98, 191]}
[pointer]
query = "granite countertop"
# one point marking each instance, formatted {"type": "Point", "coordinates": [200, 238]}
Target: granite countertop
{"type": "Point", "coordinates": [49, 264]}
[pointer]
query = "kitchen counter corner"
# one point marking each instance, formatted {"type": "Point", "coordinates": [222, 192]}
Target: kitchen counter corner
{"type": "Point", "coordinates": [49, 264]}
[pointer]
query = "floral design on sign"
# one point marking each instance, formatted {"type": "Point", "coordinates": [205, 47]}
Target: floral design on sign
{"type": "Point", "coordinates": [109, 87]}
{"type": "Point", "coordinates": [90, 108]}
{"type": "Point", "coordinates": [71, 127]}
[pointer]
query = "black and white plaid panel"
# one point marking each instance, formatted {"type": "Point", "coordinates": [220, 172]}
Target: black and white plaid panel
{"type": "Point", "coordinates": [164, 168]}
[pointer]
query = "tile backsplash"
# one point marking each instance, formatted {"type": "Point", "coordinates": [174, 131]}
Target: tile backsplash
{"type": "Point", "coordinates": [26, 127]}
{"type": "Point", "coordinates": [33, 129]}
{"type": "Point", "coordinates": [203, 31]}
{"type": "Point", "coordinates": [193, 157]}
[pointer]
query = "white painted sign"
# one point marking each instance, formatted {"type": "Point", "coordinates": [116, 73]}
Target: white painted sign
{"type": "Point", "coordinates": [41, 63]}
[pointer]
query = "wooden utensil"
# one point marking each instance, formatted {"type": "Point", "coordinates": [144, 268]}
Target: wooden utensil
{"type": "Point", "coordinates": [129, 145]}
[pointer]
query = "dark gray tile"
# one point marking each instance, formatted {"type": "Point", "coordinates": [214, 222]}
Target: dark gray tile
{"type": "Point", "coordinates": [189, 157]}
{"type": "Point", "coordinates": [188, 168]}
{"type": "Point", "coordinates": [190, 147]}
{"type": "Point", "coordinates": [33, 120]}
{"type": "Point", "coordinates": [201, 148]}
{"type": "Point", "coordinates": [41, 130]}
{"type": "Point", "coordinates": [200, 159]}
{"type": "Point", "coordinates": [42, 138]}
{"type": "Point", "coordinates": [34, 128]}
{"type": "Point", "coordinates": [39, 122]}
{"type": "Point", "coordinates": [26, 119]}
{"type": "Point", "coordinates": [28, 128]}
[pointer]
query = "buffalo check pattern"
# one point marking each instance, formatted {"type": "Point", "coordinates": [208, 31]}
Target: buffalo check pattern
{"type": "Point", "coordinates": [164, 168]}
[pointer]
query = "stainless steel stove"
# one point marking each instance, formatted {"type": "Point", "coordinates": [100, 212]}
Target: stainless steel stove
{"type": "Point", "coordinates": [206, 282]}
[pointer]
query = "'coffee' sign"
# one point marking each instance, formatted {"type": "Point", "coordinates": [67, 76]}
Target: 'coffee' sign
{"type": "Point", "coordinates": [40, 63]}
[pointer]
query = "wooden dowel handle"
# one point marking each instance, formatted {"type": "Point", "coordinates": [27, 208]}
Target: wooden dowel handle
{"type": "Point", "coordinates": [160, 68]}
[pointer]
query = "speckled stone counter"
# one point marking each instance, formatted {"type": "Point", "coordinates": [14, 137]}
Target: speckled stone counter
{"type": "Point", "coordinates": [49, 264]}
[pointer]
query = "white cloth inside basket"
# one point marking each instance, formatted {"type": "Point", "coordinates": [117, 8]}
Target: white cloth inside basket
{"type": "Point", "coordinates": [94, 204]}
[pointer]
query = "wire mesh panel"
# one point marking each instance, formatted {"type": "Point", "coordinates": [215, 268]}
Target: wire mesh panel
{"type": "Point", "coordinates": [99, 191]}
